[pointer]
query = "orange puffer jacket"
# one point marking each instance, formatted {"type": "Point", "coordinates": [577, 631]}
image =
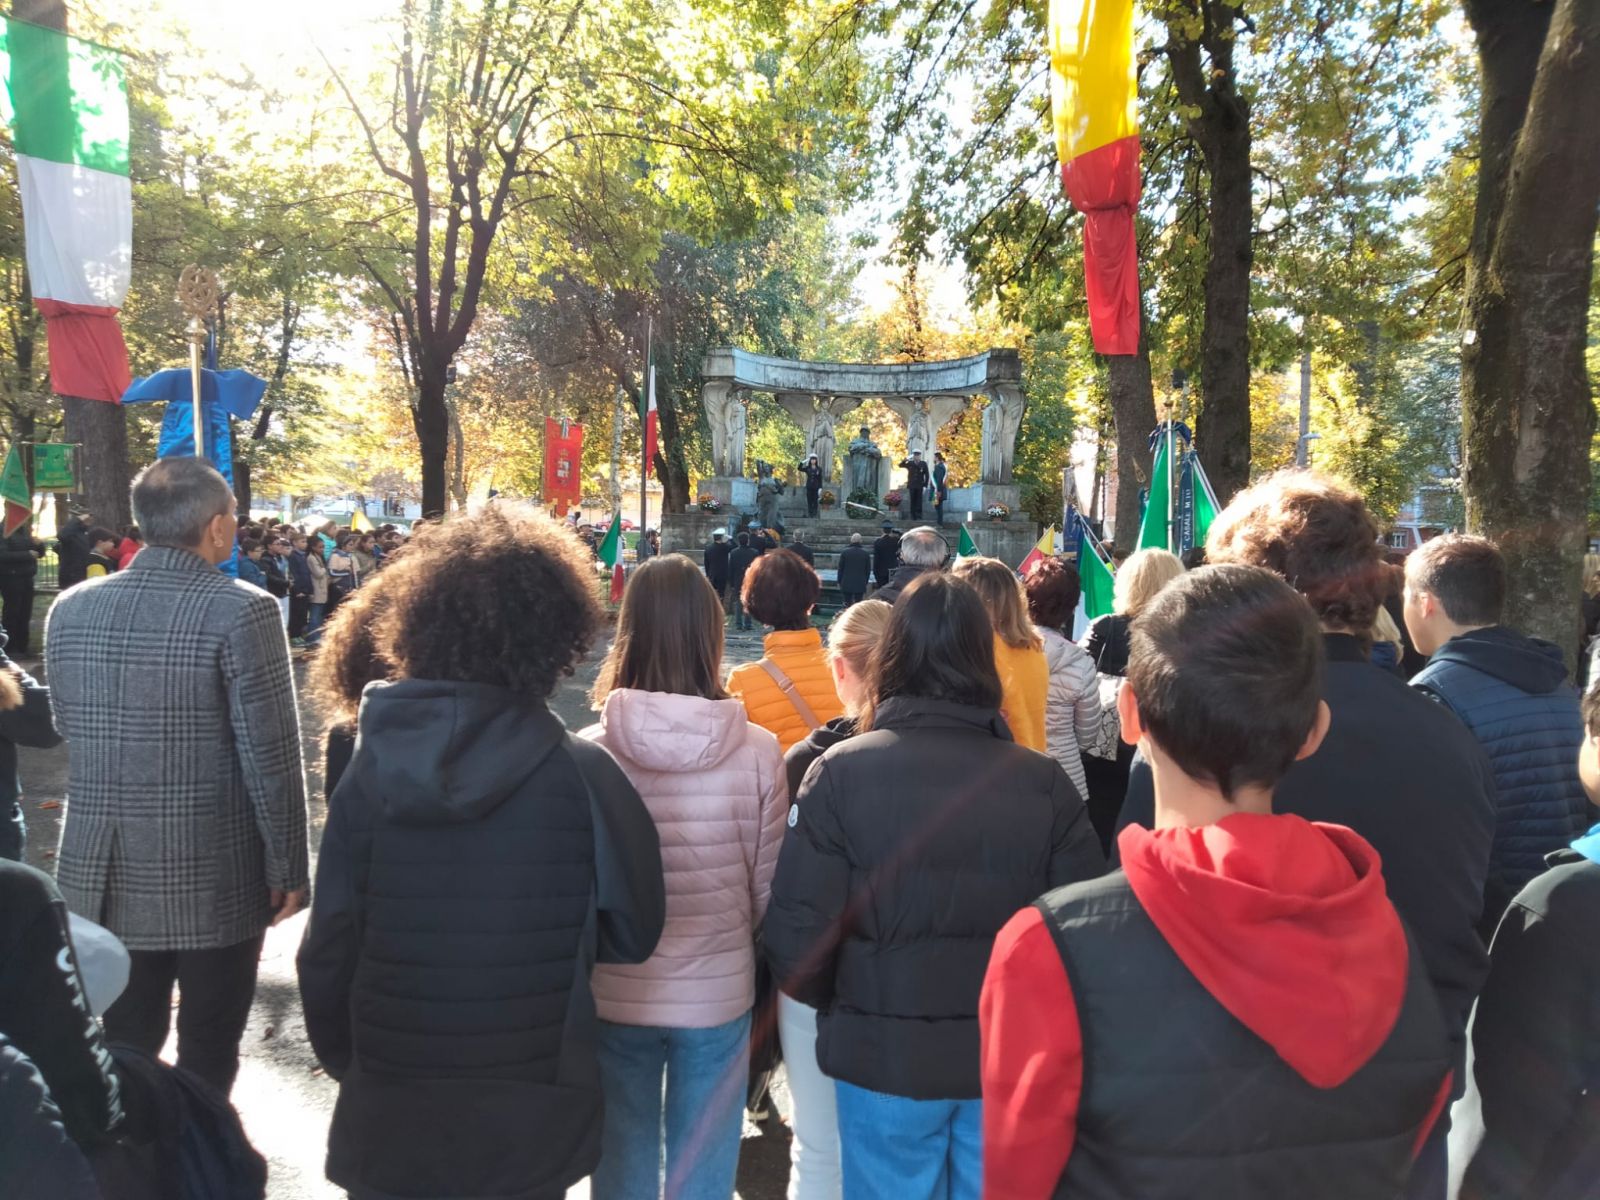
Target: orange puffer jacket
{"type": "Point", "coordinates": [799, 654]}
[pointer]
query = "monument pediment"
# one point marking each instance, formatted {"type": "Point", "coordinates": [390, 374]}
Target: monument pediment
{"type": "Point", "coordinates": [954, 377]}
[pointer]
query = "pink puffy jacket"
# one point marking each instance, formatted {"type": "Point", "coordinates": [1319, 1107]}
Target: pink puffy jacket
{"type": "Point", "coordinates": [715, 785]}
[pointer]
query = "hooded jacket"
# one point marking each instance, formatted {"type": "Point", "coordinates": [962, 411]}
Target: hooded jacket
{"type": "Point", "coordinates": [1405, 775]}
{"type": "Point", "coordinates": [476, 863]}
{"type": "Point", "coordinates": [1238, 1012]}
{"type": "Point", "coordinates": [909, 847]}
{"type": "Point", "coordinates": [800, 655]}
{"type": "Point", "coordinates": [714, 785]}
{"type": "Point", "coordinates": [1512, 692]}
{"type": "Point", "coordinates": [798, 758]}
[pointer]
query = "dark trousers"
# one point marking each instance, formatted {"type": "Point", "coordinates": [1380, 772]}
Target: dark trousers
{"type": "Point", "coordinates": [299, 615]}
{"type": "Point", "coordinates": [916, 501]}
{"type": "Point", "coordinates": [217, 987]}
{"type": "Point", "coordinates": [16, 613]}
{"type": "Point", "coordinates": [851, 598]}
{"type": "Point", "coordinates": [938, 505]}
{"type": "Point", "coordinates": [13, 834]}
{"type": "Point", "coordinates": [811, 501]}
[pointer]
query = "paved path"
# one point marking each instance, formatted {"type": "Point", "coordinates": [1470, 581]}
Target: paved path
{"type": "Point", "coordinates": [282, 1094]}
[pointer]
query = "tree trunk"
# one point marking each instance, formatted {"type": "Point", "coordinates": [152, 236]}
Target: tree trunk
{"type": "Point", "coordinates": [1133, 412]}
{"type": "Point", "coordinates": [458, 456]}
{"type": "Point", "coordinates": [101, 431]}
{"type": "Point", "coordinates": [241, 475]}
{"type": "Point", "coordinates": [1527, 416]}
{"type": "Point", "coordinates": [431, 420]}
{"type": "Point", "coordinates": [670, 467]}
{"type": "Point", "coordinates": [1222, 432]}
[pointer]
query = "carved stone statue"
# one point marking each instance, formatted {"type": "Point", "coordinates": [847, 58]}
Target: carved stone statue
{"type": "Point", "coordinates": [1002, 417]}
{"type": "Point", "coordinates": [918, 436]}
{"type": "Point", "coordinates": [822, 440]}
{"type": "Point", "coordinates": [864, 457]}
{"type": "Point", "coordinates": [725, 413]}
{"type": "Point", "coordinates": [768, 490]}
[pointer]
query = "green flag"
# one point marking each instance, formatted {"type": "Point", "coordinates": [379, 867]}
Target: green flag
{"type": "Point", "coordinates": [966, 547]}
{"type": "Point", "coordinates": [1154, 530]}
{"type": "Point", "coordinates": [611, 555]}
{"type": "Point", "coordinates": [1098, 584]}
{"type": "Point", "coordinates": [1205, 502]}
{"type": "Point", "coordinates": [15, 492]}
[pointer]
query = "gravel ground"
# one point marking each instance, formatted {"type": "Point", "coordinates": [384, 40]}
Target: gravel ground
{"type": "Point", "coordinates": [282, 1094]}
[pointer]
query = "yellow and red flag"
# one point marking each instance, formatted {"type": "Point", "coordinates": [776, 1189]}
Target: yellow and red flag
{"type": "Point", "coordinates": [1093, 95]}
{"type": "Point", "coordinates": [1042, 551]}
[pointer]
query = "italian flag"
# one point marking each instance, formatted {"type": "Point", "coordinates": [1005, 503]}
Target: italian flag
{"type": "Point", "coordinates": [1096, 598]}
{"type": "Point", "coordinates": [66, 102]}
{"type": "Point", "coordinates": [1042, 551]}
{"type": "Point", "coordinates": [611, 555]}
{"type": "Point", "coordinates": [650, 423]}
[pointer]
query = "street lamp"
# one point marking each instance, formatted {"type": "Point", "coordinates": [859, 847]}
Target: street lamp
{"type": "Point", "coordinates": [1302, 448]}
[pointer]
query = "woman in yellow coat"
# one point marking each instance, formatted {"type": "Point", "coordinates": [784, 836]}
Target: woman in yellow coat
{"type": "Point", "coordinates": [1018, 649]}
{"type": "Point", "coordinates": [790, 691]}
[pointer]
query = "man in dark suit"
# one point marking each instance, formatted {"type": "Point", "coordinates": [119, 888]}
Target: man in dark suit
{"type": "Point", "coordinates": [738, 563]}
{"type": "Point", "coordinates": [916, 480]}
{"type": "Point", "coordinates": [717, 564]}
{"type": "Point", "coordinates": [72, 549]}
{"type": "Point", "coordinates": [855, 570]}
{"type": "Point", "coordinates": [798, 546]}
{"type": "Point", "coordinates": [885, 555]}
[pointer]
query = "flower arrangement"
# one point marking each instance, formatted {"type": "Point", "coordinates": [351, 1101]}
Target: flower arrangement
{"type": "Point", "coordinates": [891, 499]}
{"type": "Point", "coordinates": [862, 504]}
{"type": "Point", "coordinates": [998, 512]}
{"type": "Point", "coordinates": [827, 499]}
{"type": "Point", "coordinates": [709, 504]}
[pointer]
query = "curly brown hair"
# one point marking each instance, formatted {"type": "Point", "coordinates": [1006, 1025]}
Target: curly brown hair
{"type": "Point", "coordinates": [1053, 588]}
{"type": "Point", "coordinates": [1315, 533]}
{"type": "Point", "coordinates": [781, 589]}
{"type": "Point", "coordinates": [505, 597]}
{"type": "Point", "coordinates": [348, 659]}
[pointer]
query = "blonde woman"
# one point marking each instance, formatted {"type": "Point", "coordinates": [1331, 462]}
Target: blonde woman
{"type": "Point", "coordinates": [814, 1172]}
{"type": "Point", "coordinates": [1018, 649]}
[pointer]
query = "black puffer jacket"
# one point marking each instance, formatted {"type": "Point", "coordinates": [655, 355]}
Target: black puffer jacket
{"type": "Point", "coordinates": [797, 761]}
{"type": "Point", "coordinates": [468, 881]}
{"type": "Point", "coordinates": [908, 848]}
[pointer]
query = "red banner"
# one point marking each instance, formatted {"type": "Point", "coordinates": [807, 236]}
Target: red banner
{"type": "Point", "coordinates": [563, 464]}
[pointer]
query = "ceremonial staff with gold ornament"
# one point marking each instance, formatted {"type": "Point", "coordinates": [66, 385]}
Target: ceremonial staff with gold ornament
{"type": "Point", "coordinates": [197, 295]}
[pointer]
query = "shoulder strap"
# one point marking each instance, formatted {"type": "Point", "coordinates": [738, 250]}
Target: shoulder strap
{"type": "Point", "coordinates": [789, 690]}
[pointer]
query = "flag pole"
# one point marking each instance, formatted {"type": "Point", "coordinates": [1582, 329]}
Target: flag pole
{"type": "Point", "coordinates": [1171, 477]}
{"type": "Point", "coordinates": [197, 294]}
{"type": "Point", "coordinates": [644, 421]}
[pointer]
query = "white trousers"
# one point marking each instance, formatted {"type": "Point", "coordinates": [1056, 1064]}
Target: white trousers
{"type": "Point", "coordinates": [814, 1171]}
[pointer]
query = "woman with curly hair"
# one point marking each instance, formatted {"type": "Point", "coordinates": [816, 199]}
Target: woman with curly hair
{"type": "Point", "coordinates": [714, 783]}
{"type": "Point", "coordinates": [790, 691]}
{"type": "Point", "coordinates": [477, 865]}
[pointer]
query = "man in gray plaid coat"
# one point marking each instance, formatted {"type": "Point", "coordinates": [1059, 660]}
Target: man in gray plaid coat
{"type": "Point", "coordinates": [185, 831]}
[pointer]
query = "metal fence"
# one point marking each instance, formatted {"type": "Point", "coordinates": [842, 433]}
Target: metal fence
{"type": "Point", "coordinates": [49, 577]}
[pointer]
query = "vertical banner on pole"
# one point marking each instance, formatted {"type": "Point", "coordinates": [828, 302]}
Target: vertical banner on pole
{"type": "Point", "coordinates": [563, 464]}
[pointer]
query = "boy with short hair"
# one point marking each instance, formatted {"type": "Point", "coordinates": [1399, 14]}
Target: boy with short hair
{"type": "Point", "coordinates": [1529, 1125]}
{"type": "Point", "coordinates": [1512, 694]}
{"type": "Point", "coordinates": [102, 552]}
{"type": "Point", "coordinates": [1238, 1011]}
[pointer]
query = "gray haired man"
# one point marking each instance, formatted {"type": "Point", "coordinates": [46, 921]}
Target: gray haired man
{"type": "Point", "coordinates": [921, 549]}
{"type": "Point", "coordinates": [185, 831]}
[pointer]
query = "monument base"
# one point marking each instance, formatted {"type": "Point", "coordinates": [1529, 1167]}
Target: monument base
{"type": "Point", "coordinates": [977, 499]}
{"type": "Point", "coordinates": [734, 491]}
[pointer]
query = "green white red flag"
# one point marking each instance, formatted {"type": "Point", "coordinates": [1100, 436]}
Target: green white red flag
{"type": "Point", "coordinates": [66, 101]}
{"type": "Point", "coordinates": [611, 555]}
{"type": "Point", "coordinates": [14, 490]}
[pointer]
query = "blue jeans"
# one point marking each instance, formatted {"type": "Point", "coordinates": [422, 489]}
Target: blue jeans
{"type": "Point", "coordinates": [13, 834]}
{"type": "Point", "coordinates": [901, 1149]}
{"type": "Point", "coordinates": [314, 619]}
{"type": "Point", "coordinates": [696, 1118]}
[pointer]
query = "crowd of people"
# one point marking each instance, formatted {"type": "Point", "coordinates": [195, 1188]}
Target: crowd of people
{"type": "Point", "coordinates": [1320, 930]}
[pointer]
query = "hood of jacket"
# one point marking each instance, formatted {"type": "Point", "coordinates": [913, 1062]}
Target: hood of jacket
{"type": "Point", "coordinates": [442, 753]}
{"type": "Point", "coordinates": [1528, 664]}
{"type": "Point", "coordinates": [661, 731]}
{"type": "Point", "coordinates": [1287, 924]}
